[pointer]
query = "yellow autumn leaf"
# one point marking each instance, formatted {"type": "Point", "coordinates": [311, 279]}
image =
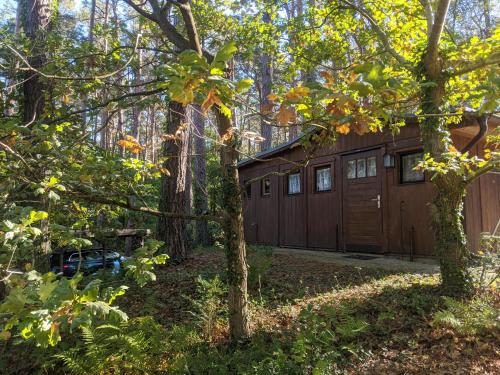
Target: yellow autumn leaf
{"type": "Point", "coordinates": [11, 139]}
{"type": "Point", "coordinates": [131, 144]}
{"type": "Point", "coordinates": [328, 77]}
{"type": "Point", "coordinates": [297, 93]}
{"type": "Point", "coordinates": [343, 129]}
{"type": "Point", "coordinates": [5, 335]}
{"type": "Point", "coordinates": [210, 100]}
{"type": "Point", "coordinates": [272, 97]}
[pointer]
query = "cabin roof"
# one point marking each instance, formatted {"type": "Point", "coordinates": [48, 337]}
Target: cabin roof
{"type": "Point", "coordinates": [293, 142]}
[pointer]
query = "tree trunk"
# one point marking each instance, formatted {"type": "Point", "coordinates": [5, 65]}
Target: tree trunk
{"type": "Point", "coordinates": [266, 72]}
{"type": "Point", "coordinates": [234, 242]}
{"type": "Point", "coordinates": [37, 19]}
{"type": "Point", "coordinates": [37, 15]}
{"type": "Point", "coordinates": [173, 187]}
{"type": "Point", "coordinates": [200, 187]}
{"type": "Point", "coordinates": [451, 244]}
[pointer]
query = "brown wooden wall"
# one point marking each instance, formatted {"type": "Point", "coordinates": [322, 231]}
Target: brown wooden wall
{"type": "Point", "coordinates": [322, 219]}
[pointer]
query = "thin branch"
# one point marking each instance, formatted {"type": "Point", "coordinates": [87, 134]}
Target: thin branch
{"type": "Point", "coordinates": [147, 210]}
{"type": "Point", "coordinates": [493, 59]}
{"type": "Point", "coordinates": [106, 103]}
{"type": "Point", "coordinates": [12, 152]}
{"type": "Point", "coordinates": [378, 30]}
{"type": "Point", "coordinates": [64, 78]}
{"type": "Point", "coordinates": [437, 29]}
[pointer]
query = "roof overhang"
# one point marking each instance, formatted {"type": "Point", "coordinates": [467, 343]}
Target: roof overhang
{"type": "Point", "coordinates": [467, 127]}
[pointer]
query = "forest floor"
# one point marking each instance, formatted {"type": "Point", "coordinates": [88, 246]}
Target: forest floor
{"type": "Point", "coordinates": [311, 316]}
{"type": "Point", "coordinates": [307, 316]}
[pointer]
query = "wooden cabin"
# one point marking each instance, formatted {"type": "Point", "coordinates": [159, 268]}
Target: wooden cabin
{"type": "Point", "coordinates": [361, 195]}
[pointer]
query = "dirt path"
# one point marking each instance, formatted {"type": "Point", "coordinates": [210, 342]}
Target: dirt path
{"type": "Point", "coordinates": [390, 263]}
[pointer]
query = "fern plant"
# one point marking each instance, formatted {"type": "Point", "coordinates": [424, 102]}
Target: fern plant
{"type": "Point", "coordinates": [477, 316]}
{"type": "Point", "coordinates": [209, 309]}
{"type": "Point", "coordinates": [130, 347]}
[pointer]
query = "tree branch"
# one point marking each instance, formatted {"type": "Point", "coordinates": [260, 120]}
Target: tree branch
{"type": "Point", "coordinates": [146, 210]}
{"type": "Point", "coordinates": [437, 30]}
{"type": "Point", "coordinates": [50, 76]}
{"type": "Point", "coordinates": [380, 33]}
{"type": "Point", "coordinates": [112, 100]}
{"type": "Point", "coordinates": [141, 11]}
{"type": "Point", "coordinates": [493, 59]}
{"type": "Point", "coordinates": [429, 16]}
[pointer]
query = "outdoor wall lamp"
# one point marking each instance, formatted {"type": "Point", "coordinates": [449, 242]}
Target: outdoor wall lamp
{"type": "Point", "coordinates": [389, 160]}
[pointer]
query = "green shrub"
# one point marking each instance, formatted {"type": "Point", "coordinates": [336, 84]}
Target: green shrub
{"type": "Point", "coordinates": [259, 261]}
{"type": "Point", "coordinates": [486, 263]}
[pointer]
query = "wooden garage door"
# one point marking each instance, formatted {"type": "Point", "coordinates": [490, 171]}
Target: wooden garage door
{"type": "Point", "coordinates": [361, 191]}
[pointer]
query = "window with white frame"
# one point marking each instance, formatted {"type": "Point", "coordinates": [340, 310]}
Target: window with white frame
{"type": "Point", "coordinates": [294, 183]}
{"type": "Point", "coordinates": [323, 179]}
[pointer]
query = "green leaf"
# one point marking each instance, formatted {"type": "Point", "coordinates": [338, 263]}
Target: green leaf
{"type": "Point", "coordinates": [225, 53]}
{"type": "Point", "coordinates": [91, 291]}
{"type": "Point", "coordinates": [53, 196]}
{"type": "Point", "coordinates": [46, 290]}
{"type": "Point", "coordinates": [363, 88]}
{"type": "Point", "coordinates": [38, 215]}
{"type": "Point", "coordinates": [52, 181]}
{"type": "Point", "coordinates": [244, 85]}
{"type": "Point", "coordinates": [216, 71]}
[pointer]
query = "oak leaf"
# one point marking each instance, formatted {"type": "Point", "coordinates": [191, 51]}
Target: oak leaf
{"type": "Point", "coordinates": [210, 100]}
{"type": "Point", "coordinates": [266, 108]}
{"type": "Point", "coordinates": [272, 97]}
{"type": "Point", "coordinates": [297, 93]}
{"type": "Point", "coordinates": [285, 115]}
{"type": "Point", "coordinates": [131, 144]}
{"type": "Point", "coordinates": [165, 171]}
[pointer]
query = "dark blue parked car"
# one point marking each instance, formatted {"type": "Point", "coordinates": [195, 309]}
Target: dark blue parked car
{"type": "Point", "coordinates": [91, 261]}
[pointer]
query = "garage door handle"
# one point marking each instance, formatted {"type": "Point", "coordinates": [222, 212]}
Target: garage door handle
{"type": "Point", "coordinates": [377, 199]}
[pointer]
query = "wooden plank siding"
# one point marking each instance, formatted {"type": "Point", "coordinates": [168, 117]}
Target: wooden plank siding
{"type": "Point", "coordinates": [347, 215]}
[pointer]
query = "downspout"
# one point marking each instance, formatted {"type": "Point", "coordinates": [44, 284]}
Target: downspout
{"type": "Point", "coordinates": [483, 129]}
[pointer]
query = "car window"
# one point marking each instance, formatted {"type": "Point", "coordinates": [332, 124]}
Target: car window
{"type": "Point", "coordinates": [93, 255]}
{"type": "Point", "coordinates": [74, 257]}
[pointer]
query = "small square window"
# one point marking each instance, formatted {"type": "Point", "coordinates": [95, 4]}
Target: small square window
{"type": "Point", "coordinates": [407, 168]}
{"type": "Point", "coordinates": [266, 186]}
{"type": "Point", "coordinates": [361, 168]}
{"type": "Point", "coordinates": [323, 179]}
{"type": "Point", "coordinates": [351, 169]}
{"type": "Point", "coordinates": [371, 166]}
{"type": "Point", "coordinates": [248, 190]}
{"type": "Point", "coordinates": [294, 183]}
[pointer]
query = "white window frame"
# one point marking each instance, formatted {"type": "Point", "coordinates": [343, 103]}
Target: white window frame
{"type": "Point", "coordinates": [291, 188]}
{"type": "Point", "coordinates": [319, 183]}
